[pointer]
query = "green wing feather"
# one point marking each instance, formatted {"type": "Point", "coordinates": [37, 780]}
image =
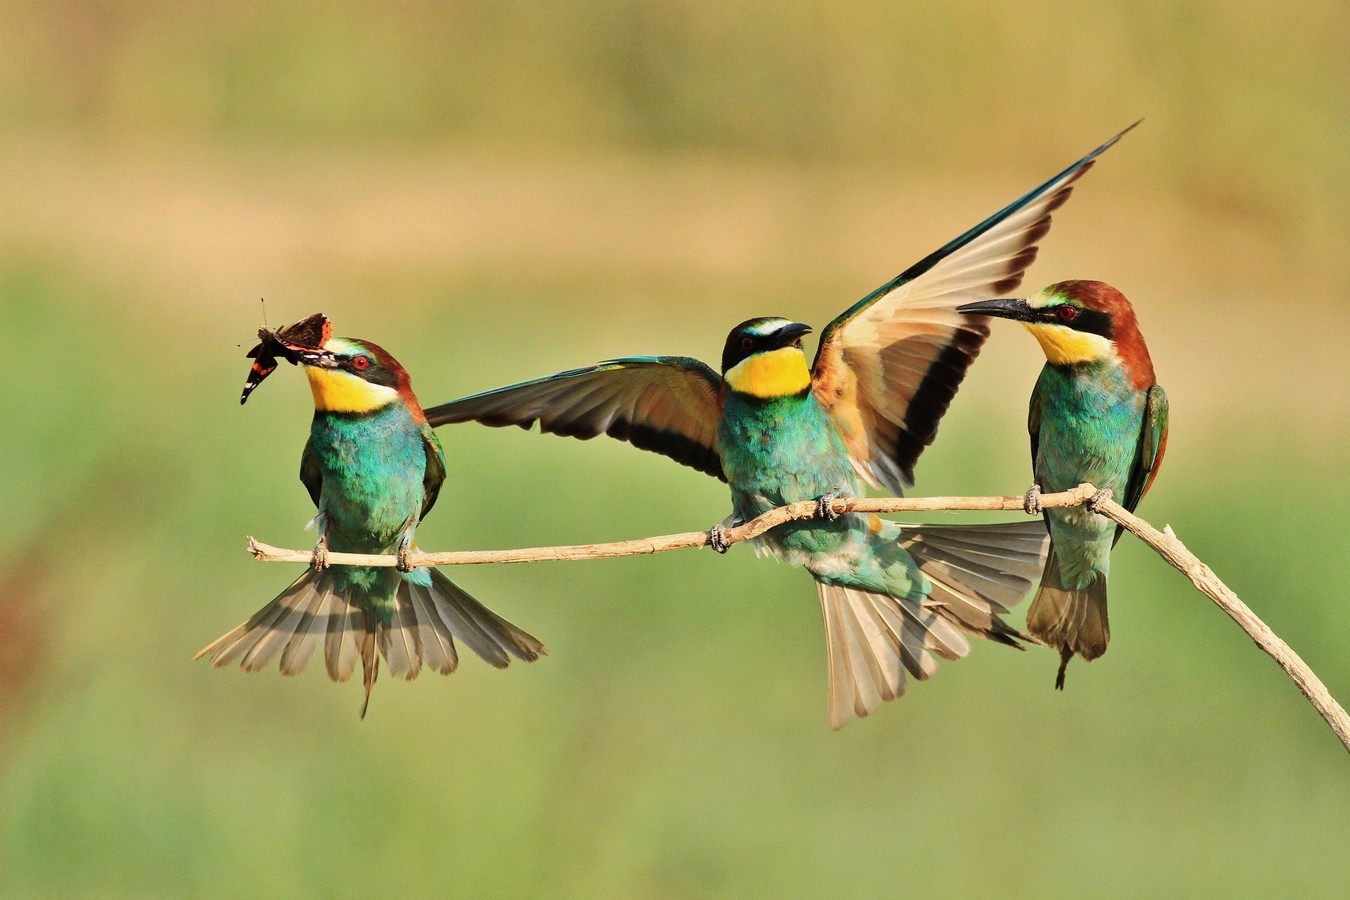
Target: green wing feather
{"type": "Point", "coordinates": [1034, 423]}
{"type": "Point", "coordinates": [435, 473]}
{"type": "Point", "coordinates": [1152, 447]}
{"type": "Point", "coordinates": [667, 404]}
{"type": "Point", "coordinates": [310, 474]}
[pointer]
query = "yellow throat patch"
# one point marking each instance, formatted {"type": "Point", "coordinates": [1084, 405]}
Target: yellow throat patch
{"type": "Point", "coordinates": [776, 373]}
{"type": "Point", "coordinates": [1065, 347]}
{"type": "Point", "coordinates": [342, 392]}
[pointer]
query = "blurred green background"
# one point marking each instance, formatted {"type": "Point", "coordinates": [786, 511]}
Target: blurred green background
{"type": "Point", "coordinates": [496, 191]}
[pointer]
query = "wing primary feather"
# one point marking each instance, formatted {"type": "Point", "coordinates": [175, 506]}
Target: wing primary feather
{"type": "Point", "coordinates": [668, 405]}
{"type": "Point", "coordinates": [888, 368]}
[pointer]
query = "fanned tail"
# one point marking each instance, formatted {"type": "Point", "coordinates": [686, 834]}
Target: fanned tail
{"type": "Point", "coordinates": [308, 612]}
{"type": "Point", "coordinates": [429, 613]}
{"type": "Point", "coordinates": [1070, 620]}
{"type": "Point", "coordinates": [872, 639]}
{"type": "Point", "coordinates": [979, 572]}
{"type": "Point", "coordinates": [429, 616]}
{"type": "Point", "coordinates": [976, 573]}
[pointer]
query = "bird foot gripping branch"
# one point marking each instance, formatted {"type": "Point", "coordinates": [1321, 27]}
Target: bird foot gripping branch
{"type": "Point", "coordinates": [320, 561]}
{"type": "Point", "coordinates": [717, 538]}
{"type": "Point", "coordinates": [405, 559]}
{"type": "Point", "coordinates": [1094, 503]}
{"type": "Point", "coordinates": [1032, 501]}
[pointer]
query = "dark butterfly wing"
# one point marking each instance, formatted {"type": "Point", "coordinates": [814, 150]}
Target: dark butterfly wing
{"type": "Point", "coordinates": [264, 364]}
{"type": "Point", "coordinates": [310, 333]}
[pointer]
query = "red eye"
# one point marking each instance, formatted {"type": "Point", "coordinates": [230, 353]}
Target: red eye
{"type": "Point", "coordinates": [747, 343]}
{"type": "Point", "coordinates": [361, 362]}
{"type": "Point", "coordinates": [1067, 313]}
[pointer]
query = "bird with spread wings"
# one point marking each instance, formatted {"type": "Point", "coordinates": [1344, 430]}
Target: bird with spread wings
{"type": "Point", "coordinates": [884, 374]}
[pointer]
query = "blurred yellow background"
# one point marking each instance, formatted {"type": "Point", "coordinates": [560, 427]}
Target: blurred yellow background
{"type": "Point", "coordinates": [497, 191]}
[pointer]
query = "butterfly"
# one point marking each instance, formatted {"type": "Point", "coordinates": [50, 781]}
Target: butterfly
{"type": "Point", "coordinates": [310, 333]}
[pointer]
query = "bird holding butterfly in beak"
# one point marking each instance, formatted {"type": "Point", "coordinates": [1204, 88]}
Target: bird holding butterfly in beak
{"type": "Point", "coordinates": [374, 469]}
{"type": "Point", "coordinates": [779, 431]}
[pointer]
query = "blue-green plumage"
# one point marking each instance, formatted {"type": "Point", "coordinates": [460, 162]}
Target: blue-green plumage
{"type": "Point", "coordinates": [780, 445]}
{"type": "Point", "coordinates": [1088, 419]}
{"type": "Point", "coordinates": [787, 449]}
{"type": "Point", "coordinates": [371, 470]}
{"type": "Point", "coordinates": [1097, 415]}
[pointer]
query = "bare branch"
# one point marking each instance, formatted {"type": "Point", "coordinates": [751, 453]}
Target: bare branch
{"type": "Point", "coordinates": [754, 528]}
{"type": "Point", "coordinates": [1170, 548]}
{"type": "Point", "coordinates": [1165, 543]}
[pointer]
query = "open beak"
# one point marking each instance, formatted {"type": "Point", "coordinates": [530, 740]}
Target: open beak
{"type": "Point", "coordinates": [1017, 310]}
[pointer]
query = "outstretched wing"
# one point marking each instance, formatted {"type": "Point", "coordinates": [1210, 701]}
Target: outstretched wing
{"type": "Point", "coordinates": [1152, 446]}
{"type": "Point", "coordinates": [889, 366]}
{"type": "Point", "coordinates": [667, 404]}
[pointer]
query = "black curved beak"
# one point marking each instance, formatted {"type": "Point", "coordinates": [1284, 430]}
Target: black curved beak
{"type": "Point", "coordinates": [791, 333]}
{"type": "Point", "coordinates": [1017, 310]}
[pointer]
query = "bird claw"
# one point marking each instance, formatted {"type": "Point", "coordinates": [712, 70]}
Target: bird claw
{"type": "Point", "coordinates": [404, 563]}
{"type": "Point", "coordinates": [1065, 654]}
{"type": "Point", "coordinates": [1095, 502]}
{"type": "Point", "coordinates": [320, 560]}
{"type": "Point", "coordinates": [1032, 501]}
{"type": "Point", "coordinates": [825, 507]}
{"type": "Point", "coordinates": [717, 537]}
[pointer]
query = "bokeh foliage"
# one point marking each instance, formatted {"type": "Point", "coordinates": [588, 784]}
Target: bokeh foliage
{"type": "Point", "coordinates": [497, 191]}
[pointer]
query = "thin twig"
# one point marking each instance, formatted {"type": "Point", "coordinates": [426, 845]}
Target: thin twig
{"type": "Point", "coordinates": [1165, 544]}
{"type": "Point", "coordinates": [1169, 547]}
{"type": "Point", "coordinates": [754, 528]}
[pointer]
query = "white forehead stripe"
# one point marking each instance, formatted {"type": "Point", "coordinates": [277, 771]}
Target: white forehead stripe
{"type": "Point", "coordinates": [769, 326]}
{"type": "Point", "coordinates": [339, 345]}
{"type": "Point", "coordinates": [1043, 298]}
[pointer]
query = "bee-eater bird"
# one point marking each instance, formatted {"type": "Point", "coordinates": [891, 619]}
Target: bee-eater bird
{"type": "Point", "coordinates": [778, 432]}
{"type": "Point", "coordinates": [1097, 414]}
{"type": "Point", "coordinates": [374, 468]}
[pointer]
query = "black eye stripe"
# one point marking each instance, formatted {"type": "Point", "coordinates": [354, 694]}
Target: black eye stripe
{"type": "Point", "coordinates": [1090, 321]}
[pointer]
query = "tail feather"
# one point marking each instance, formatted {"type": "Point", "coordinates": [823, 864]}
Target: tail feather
{"type": "Point", "coordinates": [275, 633]}
{"type": "Point", "coordinates": [370, 667]}
{"type": "Point", "coordinates": [401, 642]}
{"type": "Point", "coordinates": [485, 632]}
{"type": "Point", "coordinates": [1071, 620]}
{"type": "Point", "coordinates": [459, 620]}
{"type": "Point", "coordinates": [991, 566]}
{"type": "Point", "coordinates": [307, 633]}
{"type": "Point", "coordinates": [257, 640]}
{"type": "Point", "coordinates": [975, 573]}
{"type": "Point", "coordinates": [340, 648]}
{"type": "Point", "coordinates": [872, 640]}
{"type": "Point", "coordinates": [429, 614]}
{"type": "Point", "coordinates": [438, 645]}
{"type": "Point", "coordinates": [864, 661]}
